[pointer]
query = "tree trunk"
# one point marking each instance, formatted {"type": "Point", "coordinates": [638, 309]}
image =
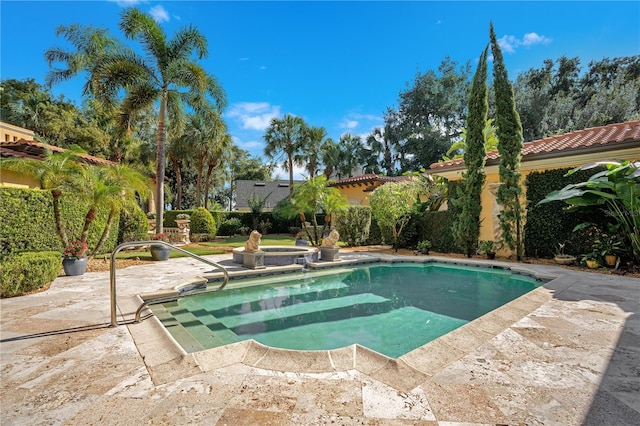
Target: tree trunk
{"type": "Point", "coordinates": [62, 233]}
{"type": "Point", "coordinates": [160, 159]}
{"type": "Point", "coordinates": [105, 232]}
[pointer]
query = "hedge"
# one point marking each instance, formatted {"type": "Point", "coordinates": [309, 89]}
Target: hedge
{"type": "Point", "coordinates": [549, 224]}
{"type": "Point", "coordinates": [27, 223]}
{"type": "Point", "coordinates": [25, 272]}
{"type": "Point", "coordinates": [354, 225]}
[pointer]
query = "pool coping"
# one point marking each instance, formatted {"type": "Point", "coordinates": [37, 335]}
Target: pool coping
{"type": "Point", "coordinates": [166, 360]}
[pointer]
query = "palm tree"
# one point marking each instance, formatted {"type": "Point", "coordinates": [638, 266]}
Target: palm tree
{"type": "Point", "coordinates": [284, 136]}
{"type": "Point", "coordinates": [350, 149]}
{"type": "Point", "coordinates": [315, 195]}
{"type": "Point", "coordinates": [111, 187]}
{"type": "Point", "coordinates": [312, 146]}
{"type": "Point", "coordinates": [330, 158]}
{"type": "Point", "coordinates": [165, 75]}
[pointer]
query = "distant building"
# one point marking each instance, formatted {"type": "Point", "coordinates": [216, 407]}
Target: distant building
{"type": "Point", "coordinates": [273, 192]}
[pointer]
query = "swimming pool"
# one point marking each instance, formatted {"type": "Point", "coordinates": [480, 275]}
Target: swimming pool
{"type": "Point", "coordinates": [391, 308]}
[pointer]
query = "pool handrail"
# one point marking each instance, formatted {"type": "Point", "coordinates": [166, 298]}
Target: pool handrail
{"type": "Point", "coordinates": [112, 275]}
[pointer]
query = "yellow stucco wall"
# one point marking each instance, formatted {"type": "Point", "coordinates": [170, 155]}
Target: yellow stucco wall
{"type": "Point", "coordinates": [15, 180]}
{"type": "Point", "coordinates": [355, 195]}
{"type": "Point", "coordinates": [10, 133]}
{"type": "Point", "coordinates": [489, 225]}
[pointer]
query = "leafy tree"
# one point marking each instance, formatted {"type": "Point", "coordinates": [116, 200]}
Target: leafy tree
{"type": "Point", "coordinates": [392, 205]}
{"type": "Point", "coordinates": [284, 139]}
{"type": "Point", "coordinates": [466, 227]}
{"type": "Point", "coordinates": [350, 154]}
{"type": "Point", "coordinates": [430, 116]}
{"type": "Point", "coordinates": [509, 131]}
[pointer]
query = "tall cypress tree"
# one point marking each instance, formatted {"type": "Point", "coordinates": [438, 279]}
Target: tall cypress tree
{"type": "Point", "coordinates": [509, 132]}
{"type": "Point", "coordinates": [466, 228]}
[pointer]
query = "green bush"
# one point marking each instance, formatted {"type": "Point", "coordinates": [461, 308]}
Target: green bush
{"type": "Point", "coordinates": [134, 225]}
{"type": "Point", "coordinates": [549, 224]}
{"type": "Point", "coordinates": [436, 227]}
{"type": "Point", "coordinates": [27, 223]}
{"type": "Point", "coordinates": [25, 272]}
{"type": "Point", "coordinates": [354, 225]}
{"type": "Point", "coordinates": [202, 222]}
{"type": "Point", "coordinates": [230, 226]}
{"type": "Point", "coordinates": [169, 217]}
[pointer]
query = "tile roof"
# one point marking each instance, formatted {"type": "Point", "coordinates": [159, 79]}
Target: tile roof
{"type": "Point", "coordinates": [35, 150]}
{"type": "Point", "coordinates": [369, 178]}
{"type": "Point", "coordinates": [612, 136]}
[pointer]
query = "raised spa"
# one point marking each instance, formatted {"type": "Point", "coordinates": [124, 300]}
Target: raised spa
{"type": "Point", "coordinates": [391, 308]}
{"type": "Point", "coordinates": [281, 255]}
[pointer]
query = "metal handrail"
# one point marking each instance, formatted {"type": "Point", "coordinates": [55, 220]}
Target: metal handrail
{"type": "Point", "coordinates": [112, 275]}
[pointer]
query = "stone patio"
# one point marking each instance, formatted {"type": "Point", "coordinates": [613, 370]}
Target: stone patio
{"type": "Point", "coordinates": [567, 353]}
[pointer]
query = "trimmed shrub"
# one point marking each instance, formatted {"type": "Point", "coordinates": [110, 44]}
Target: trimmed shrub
{"type": "Point", "coordinates": [134, 225]}
{"type": "Point", "coordinates": [436, 227]}
{"type": "Point", "coordinates": [549, 224]}
{"type": "Point", "coordinates": [27, 223]}
{"type": "Point", "coordinates": [354, 225]}
{"type": "Point", "coordinates": [202, 222]}
{"type": "Point", "coordinates": [169, 217]}
{"type": "Point", "coordinates": [230, 226]}
{"type": "Point", "coordinates": [25, 272]}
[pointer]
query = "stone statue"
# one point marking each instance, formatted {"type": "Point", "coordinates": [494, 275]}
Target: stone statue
{"type": "Point", "coordinates": [253, 243]}
{"type": "Point", "coordinates": [331, 240]}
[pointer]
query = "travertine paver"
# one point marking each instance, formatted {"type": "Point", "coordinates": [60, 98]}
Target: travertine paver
{"type": "Point", "coordinates": [565, 354]}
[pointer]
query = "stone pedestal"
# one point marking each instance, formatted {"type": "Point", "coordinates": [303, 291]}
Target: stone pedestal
{"type": "Point", "coordinates": [253, 260]}
{"type": "Point", "coordinates": [329, 254]}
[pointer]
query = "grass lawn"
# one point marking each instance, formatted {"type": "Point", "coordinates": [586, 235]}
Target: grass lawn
{"type": "Point", "coordinates": [267, 240]}
{"type": "Point", "coordinates": [208, 248]}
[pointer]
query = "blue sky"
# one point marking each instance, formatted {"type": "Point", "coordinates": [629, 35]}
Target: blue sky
{"type": "Point", "coordinates": [337, 64]}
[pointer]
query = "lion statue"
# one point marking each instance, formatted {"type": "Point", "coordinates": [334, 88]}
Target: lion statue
{"type": "Point", "coordinates": [253, 243]}
{"type": "Point", "coordinates": [331, 240]}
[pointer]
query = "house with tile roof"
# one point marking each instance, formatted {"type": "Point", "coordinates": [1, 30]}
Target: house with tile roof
{"type": "Point", "coordinates": [619, 141]}
{"type": "Point", "coordinates": [358, 188]}
{"type": "Point", "coordinates": [18, 142]}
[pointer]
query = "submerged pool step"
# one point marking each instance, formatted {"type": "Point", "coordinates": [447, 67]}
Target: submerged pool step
{"type": "Point", "coordinates": [177, 330]}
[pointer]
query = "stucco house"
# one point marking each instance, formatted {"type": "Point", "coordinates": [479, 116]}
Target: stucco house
{"type": "Point", "coordinates": [18, 142]}
{"type": "Point", "coordinates": [619, 141]}
{"type": "Point", "coordinates": [358, 188]}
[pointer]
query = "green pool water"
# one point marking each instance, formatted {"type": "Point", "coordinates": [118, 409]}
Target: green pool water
{"type": "Point", "coordinates": [390, 308]}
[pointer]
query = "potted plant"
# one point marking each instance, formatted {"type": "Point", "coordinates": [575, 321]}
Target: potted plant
{"type": "Point", "coordinates": [488, 248]}
{"type": "Point", "coordinates": [74, 260]}
{"type": "Point", "coordinates": [608, 248]}
{"type": "Point", "coordinates": [592, 259]}
{"type": "Point", "coordinates": [424, 246]}
{"type": "Point", "coordinates": [301, 239]}
{"type": "Point", "coordinates": [561, 258]}
{"type": "Point", "coordinates": [160, 251]}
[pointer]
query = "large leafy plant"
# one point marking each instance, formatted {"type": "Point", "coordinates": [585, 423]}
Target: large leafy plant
{"type": "Point", "coordinates": [617, 190]}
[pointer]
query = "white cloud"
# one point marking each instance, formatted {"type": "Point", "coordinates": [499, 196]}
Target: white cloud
{"type": "Point", "coordinates": [510, 43]}
{"type": "Point", "coordinates": [531, 39]}
{"type": "Point", "coordinates": [248, 145]}
{"type": "Point", "coordinates": [253, 115]}
{"type": "Point", "coordinates": [298, 173]}
{"type": "Point", "coordinates": [159, 14]}
{"type": "Point", "coordinates": [349, 124]}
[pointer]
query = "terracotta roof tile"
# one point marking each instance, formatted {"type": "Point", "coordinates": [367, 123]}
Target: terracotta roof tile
{"type": "Point", "coordinates": [368, 178]}
{"type": "Point", "coordinates": [31, 149]}
{"type": "Point", "coordinates": [610, 136]}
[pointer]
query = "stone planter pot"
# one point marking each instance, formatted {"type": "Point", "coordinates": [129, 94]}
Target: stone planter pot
{"type": "Point", "coordinates": [160, 253]}
{"type": "Point", "coordinates": [564, 259]}
{"type": "Point", "coordinates": [610, 259]}
{"type": "Point", "coordinates": [73, 267]}
{"type": "Point", "coordinates": [329, 254]}
{"type": "Point", "coordinates": [301, 242]}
